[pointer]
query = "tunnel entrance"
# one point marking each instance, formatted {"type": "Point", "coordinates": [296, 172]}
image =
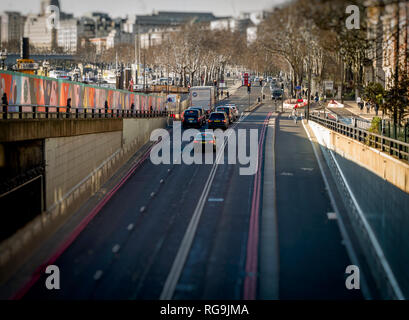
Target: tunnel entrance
{"type": "Point", "coordinates": [22, 172]}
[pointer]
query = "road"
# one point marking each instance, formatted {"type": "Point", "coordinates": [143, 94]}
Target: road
{"type": "Point", "coordinates": [192, 231]}
{"type": "Point", "coordinates": [313, 256]}
{"type": "Point", "coordinates": [215, 265]}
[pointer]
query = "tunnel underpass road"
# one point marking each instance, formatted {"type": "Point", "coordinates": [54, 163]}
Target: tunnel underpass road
{"type": "Point", "coordinates": [127, 250]}
{"type": "Point", "coordinates": [312, 254]}
{"type": "Point", "coordinates": [132, 248]}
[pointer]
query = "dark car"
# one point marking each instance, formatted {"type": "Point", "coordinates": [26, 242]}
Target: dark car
{"type": "Point", "coordinates": [192, 118]}
{"type": "Point", "coordinates": [218, 120]}
{"type": "Point", "coordinates": [202, 113]}
{"type": "Point", "coordinates": [277, 94]}
{"type": "Point", "coordinates": [228, 111]}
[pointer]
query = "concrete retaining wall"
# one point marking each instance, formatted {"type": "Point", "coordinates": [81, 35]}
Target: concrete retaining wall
{"type": "Point", "coordinates": [379, 184]}
{"type": "Point", "coordinates": [386, 167]}
{"type": "Point", "coordinates": [70, 159]}
{"type": "Point", "coordinates": [76, 168]}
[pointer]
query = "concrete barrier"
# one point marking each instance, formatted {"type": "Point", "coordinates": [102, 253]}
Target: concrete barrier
{"type": "Point", "coordinates": [30, 129]}
{"type": "Point", "coordinates": [76, 168]}
{"type": "Point", "coordinates": [374, 187]}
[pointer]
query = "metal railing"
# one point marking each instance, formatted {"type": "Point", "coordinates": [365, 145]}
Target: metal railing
{"type": "Point", "coordinates": [391, 146]}
{"type": "Point", "coordinates": [30, 111]}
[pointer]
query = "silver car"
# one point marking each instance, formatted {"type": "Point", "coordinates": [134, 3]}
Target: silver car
{"type": "Point", "coordinates": [235, 110]}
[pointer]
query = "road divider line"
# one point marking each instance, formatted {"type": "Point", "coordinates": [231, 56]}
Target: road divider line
{"type": "Point", "coordinates": [250, 282]}
{"type": "Point", "coordinates": [268, 285]}
{"type": "Point", "coordinates": [77, 231]}
{"type": "Point", "coordinates": [182, 254]}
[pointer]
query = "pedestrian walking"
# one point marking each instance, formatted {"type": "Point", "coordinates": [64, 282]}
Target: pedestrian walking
{"type": "Point", "coordinates": [360, 103]}
{"type": "Point", "coordinates": [4, 103]}
{"type": "Point", "coordinates": [68, 107]}
{"type": "Point", "coordinates": [106, 109]}
{"type": "Point", "coordinates": [295, 114]}
{"type": "Point", "coordinates": [376, 107]}
{"type": "Point", "coordinates": [132, 109]}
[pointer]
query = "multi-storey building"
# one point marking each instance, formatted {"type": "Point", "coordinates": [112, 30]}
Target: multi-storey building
{"type": "Point", "coordinates": [11, 27]}
{"type": "Point", "coordinates": [388, 30]}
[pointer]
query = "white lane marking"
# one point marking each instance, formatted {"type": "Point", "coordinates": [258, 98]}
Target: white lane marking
{"type": "Point", "coordinates": [116, 248]}
{"type": "Point", "coordinates": [142, 209]}
{"type": "Point", "coordinates": [98, 275]}
{"type": "Point", "coordinates": [181, 256]}
{"type": "Point", "coordinates": [130, 227]}
{"type": "Point", "coordinates": [215, 200]}
{"type": "Point", "coordinates": [152, 194]}
{"type": "Point", "coordinates": [307, 169]}
{"type": "Point", "coordinates": [289, 174]}
{"type": "Point", "coordinates": [332, 216]}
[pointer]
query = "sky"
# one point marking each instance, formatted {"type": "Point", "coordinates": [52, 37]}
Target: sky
{"type": "Point", "coordinates": [121, 8]}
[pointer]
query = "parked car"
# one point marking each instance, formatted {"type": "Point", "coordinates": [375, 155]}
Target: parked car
{"type": "Point", "coordinates": [218, 120]}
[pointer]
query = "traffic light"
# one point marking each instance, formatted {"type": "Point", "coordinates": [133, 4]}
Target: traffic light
{"type": "Point", "coordinates": [249, 87]}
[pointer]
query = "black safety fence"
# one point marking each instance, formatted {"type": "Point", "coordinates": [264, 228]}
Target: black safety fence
{"type": "Point", "coordinates": [385, 144]}
{"type": "Point", "coordinates": [30, 111]}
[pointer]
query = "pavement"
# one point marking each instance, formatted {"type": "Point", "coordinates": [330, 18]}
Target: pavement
{"type": "Point", "coordinates": [352, 107]}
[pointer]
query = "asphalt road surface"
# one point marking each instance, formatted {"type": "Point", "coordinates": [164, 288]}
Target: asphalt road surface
{"type": "Point", "coordinates": [182, 231]}
{"type": "Point", "coordinates": [124, 253]}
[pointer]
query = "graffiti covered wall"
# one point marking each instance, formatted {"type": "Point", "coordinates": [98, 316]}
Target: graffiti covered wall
{"type": "Point", "coordinates": [22, 89]}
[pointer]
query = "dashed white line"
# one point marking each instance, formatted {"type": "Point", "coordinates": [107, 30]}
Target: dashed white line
{"type": "Point", "coordinates": [289, 174]}
{"type": "Point", "coordinates": [332, 216]}
{"type": "Point", "coordinates": [98, 275]}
